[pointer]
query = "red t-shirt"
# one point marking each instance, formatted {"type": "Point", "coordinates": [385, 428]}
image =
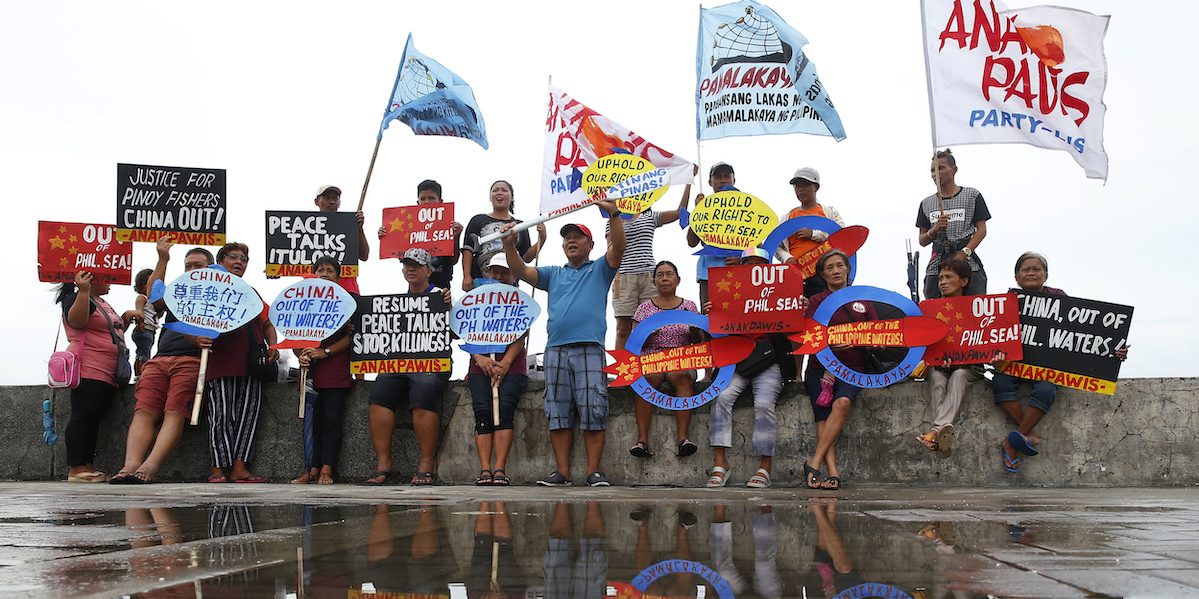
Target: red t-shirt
{"type": "Point", "coordinates": [332, 372]}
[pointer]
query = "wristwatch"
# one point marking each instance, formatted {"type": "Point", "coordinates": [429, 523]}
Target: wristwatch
{"type": "Point", "coordinates": [967, 252]}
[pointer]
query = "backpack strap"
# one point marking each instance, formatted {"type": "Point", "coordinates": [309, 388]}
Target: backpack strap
{"type": "Point", "coordinates": [117, 340]}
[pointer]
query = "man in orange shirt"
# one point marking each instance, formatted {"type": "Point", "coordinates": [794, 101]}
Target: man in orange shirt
{"type": "Point", "coordinates": [806, 182]}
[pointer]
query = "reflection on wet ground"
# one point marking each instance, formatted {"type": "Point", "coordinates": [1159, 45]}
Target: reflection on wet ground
{"type": "Point", "coordinates": [171, 541]}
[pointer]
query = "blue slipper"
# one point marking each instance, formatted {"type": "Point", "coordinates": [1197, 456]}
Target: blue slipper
{"type": "Point", "coordinates": [1021, 443]}
{"type": "Point", "coordinates": [1009, 464]}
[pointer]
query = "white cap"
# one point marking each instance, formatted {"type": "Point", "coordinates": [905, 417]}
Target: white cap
{"type": "Point", "coordinates": [806, 173]}
{"type": "Point", "coordinates": [498, 259]}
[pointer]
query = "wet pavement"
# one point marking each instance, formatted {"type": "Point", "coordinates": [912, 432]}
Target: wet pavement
{"type": "Point", "coordinates": [345, 541]}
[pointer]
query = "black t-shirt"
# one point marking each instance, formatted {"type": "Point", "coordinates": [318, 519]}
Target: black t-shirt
{"type": "Point", "coordinates": [483, 225]}
{"type": "Point", "coordinates": [171, 343]}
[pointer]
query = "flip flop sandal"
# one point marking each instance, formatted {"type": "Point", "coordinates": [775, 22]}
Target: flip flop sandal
{"type": "Point", "coordinates": [218, 478]}
{"type": "Point", "coordinates": [686, 448]}
{"type": "Point", "coordinates": [813, 476]}
{"type": "Point", "coordinates": [123, 478]}
{"type": "Point", "coordinates": [945, 441]}
{"type": "Point", "coordinates": [91, 476]}
{"type": "Point", "coordinates": [641, 450]}
{"type": "Point", "coordinates": [1021, 443]}
{"type": "Point", "coordinates": [718, 478]}
{"type": "Point", "coordinates": [760, 479]}
{"type": "Point", "coordinates": [387, 477]}
{"type": "Point", "coordinates": [253, 478]}
{"type": "Point", "coordinates": [1010, 464]}
{"type": "Point", "coordinates": [485, 478]}
{"type": "Point", "coordinates": [928, 440]}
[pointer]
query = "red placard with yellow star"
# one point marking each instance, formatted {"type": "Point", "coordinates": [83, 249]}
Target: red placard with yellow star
{"type": "Point", "coordinates": [426, 226]}
{"type": "Point", "coordinates": [64, 249]}
{"type": "Point", "coordinates": [762, 298]}
{"type": "Point", "coordinates": [979, 327]}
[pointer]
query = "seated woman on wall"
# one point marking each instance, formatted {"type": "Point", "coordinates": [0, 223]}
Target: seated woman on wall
{"type": "Point", "coordinates": [831, 397]}
{"type": "Point", "coordinates": [1032, 270]}
{"type": "Point", "coordinates": [948, 383]}
{"type": "Point", "coordinates": [666, 279]}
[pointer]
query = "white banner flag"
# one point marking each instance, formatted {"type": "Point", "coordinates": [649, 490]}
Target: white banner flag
{"type": "Point", "coordinates": [575, 136]}
{"type": "Point", "coordinates": [1030, 75]}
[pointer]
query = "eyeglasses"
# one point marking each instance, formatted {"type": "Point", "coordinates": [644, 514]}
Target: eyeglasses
{"type": "Point", "coordinates": [238, 257]}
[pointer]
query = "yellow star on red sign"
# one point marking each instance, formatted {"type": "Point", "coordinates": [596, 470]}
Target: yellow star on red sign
{"type": "Point", "coordinates": [74, 239]}
{"type": "Point", "coordinates": [622, 370]}
{"type": "Point", "coordinates": [73, 250]}
{"type": "Point", "coordinates": [737, 284]}
{"type": "Point", "coordinates": [810, 336]}
{"type": "Point", "coordinates": [64, 262]}
{"type": "Point", "coordinates": [736, 296]}
{"type": "Point", "coordinates": [723, 286]}
{"type": "Point", "coordinates": [728, 275]}
{"type": "Point", "coordinates": [57, 243]}
{"type": "Point", "coordinates": [724, 305]}
{"type": "Point", "coordinates": [398, 225]}
{"type": "Point", "coordinates": [958, 316]}
{"type": "Point", "coordinates": [62, 229]}
{"type": "Point", "coordinates": [958, 328]}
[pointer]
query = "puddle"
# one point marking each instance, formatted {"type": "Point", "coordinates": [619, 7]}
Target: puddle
{"type": "Point", "coordinates": [614, 548]}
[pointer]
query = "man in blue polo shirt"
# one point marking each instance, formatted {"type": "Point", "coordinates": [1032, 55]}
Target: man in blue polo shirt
{"type": "Point", "coordinates": [575, 384]}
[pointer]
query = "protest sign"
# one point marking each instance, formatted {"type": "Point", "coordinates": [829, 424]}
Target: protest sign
{"type": "Point", "coordinates": [575, 137]}
{"type": "Point", "coordinates": [731, 220]}
{"type": "Point", "coordinates": [721, 353]}
{"type": "Point", "coordinates": [210, 301]}
{"type": "Point", "coordinates": [401, 333]}
{"type": "Point", "coordinates": [760, 298]}
{"type": "Point", "coordinates": [294, 240]}
{"type": "Point", "coordinates": [187, 203]}
{"type": "Point", "coordinates": [1031, 75]}
{"type": "Point", "coordinates": [979, 327]}
{"type": "Point", "coordinates": [1070, 341]}
{"type": "Point", "coordinates": [309, 311]}
{"type": "Point", "coordinates": [752, 77]}
{"type": "Point", "coordinates": [429, 227]}
{"type": "Point", "coordinates": [490, 317]}
{"type": "Point", "coordinates": [850, 243]}
{"type": "Point", "coordinates": [640, 583]}
{"type": "Point", "coordinates": [915, 331]}
{"type": "Point", "coordinates": [64, 249]}
{"type": "Point", "coordinates": [622, 177]}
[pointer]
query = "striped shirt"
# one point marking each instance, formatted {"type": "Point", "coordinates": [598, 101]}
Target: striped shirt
{"type": "Point", "coordinates": [639, 249]}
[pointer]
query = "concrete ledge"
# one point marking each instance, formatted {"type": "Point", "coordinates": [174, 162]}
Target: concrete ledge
{"type": "Point", "coordinates": [1145, 434]}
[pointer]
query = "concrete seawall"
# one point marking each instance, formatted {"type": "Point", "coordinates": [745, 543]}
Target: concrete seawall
{"type": "Point", "coordinates": [1145, 434]}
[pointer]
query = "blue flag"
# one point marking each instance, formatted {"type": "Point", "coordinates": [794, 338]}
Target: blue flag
{"type": "Point", "coordinates": [432, 100]}
{"type": "Point", "coordinates": [754, 79]}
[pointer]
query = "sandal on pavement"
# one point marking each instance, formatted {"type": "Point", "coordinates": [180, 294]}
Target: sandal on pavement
{"type": "Point", "coordinates": [760, 479]}
{"type": "Point", "coordinates": [324, 479]}
{"type": "Point", "coordinates": [387, 477]}
{"type": "Point", "coordinates": [91, 476]}
{"type": "Point", "coordinates": [1021, 443]}
{"type": "Point", "coordinates": [929, 440]}
{"type": "Point", "coordinates": [485, 478]}
{"type": "Point", "coordinates": [718, 478]}
{"type": "Point", "coordinates": [123, 478]}
{"type": "Point", "coordinates": [253, 478]}
{"type": "Point", "coordinates": [1009, 463]}
{"type": "Point", "coordinates": [422, 479]}
{"type": "Point", "coordinates": [302, 479]}
{"type": "Point", "coordinates": [641, 450]}
{"type": "Point", "coordinates": [832, 483]}
{"type": "Point", "coordinates": [500, 479]}
{"type": "Point", "coordinates": [686, 448]}
{"type": "Point", "coordinates": [218, 478]}
{"type": "Point", "coordinates": [945, 441]}
{"type": "Point", "coordinates": [813, 476]}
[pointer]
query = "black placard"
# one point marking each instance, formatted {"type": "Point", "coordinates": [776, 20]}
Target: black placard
{"type": "Point", "coordinates": [294, 240]}
{"type": "Point", "coordinates": [1071, 334]}
{"type": "Point", "coordinates": [401, 333]}
{"type": "Point", "coordinates": [187, 203]}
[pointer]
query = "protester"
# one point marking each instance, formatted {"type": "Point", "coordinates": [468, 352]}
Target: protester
{"type": "Point", "coordinates": [806, 182]}
{"type": "Point", "coordinates": [234, 396]}
{"type": "Point", "coordinates": [666, 278]}
{"type": "Point", "coordinates": [330, 367]}
{"type": "Point", "coordinates": [328, 199]}
{"type": "Point", "coordinates": [422, 391]}
{"type": "Point", "coordinates": [1032, 270]}
{"type": "Point", "coordinates": [719, 176]}
{"type": "Point", "coordinates": [954, 220]}
{"type": "Point", "coordinates": [763, 370]}
{"type": "Point", "coordinates": [143, 335]}
{"type": "Point", "coordinates": [96, 335]}
{"type": "Point", "coordinates": [575, 384]}
{"type": "Point", "coordinates": [635, 283]}
{"type": "Point", "coordinates": [947, 382]}
{"type": "Point", "coordinates": [481, 225]}
{"type": "Point", "coordinates": [428, 192]}
{"type": "Point", "coordinates": [166, 388]}
{"type": "Point", "coordinates": [510, 375]}
{"type": "Point", "coordinates": [831, 397]}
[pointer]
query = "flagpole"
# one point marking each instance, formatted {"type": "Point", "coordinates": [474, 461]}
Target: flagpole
{"type": "Point", "coordinates": [362, 198]}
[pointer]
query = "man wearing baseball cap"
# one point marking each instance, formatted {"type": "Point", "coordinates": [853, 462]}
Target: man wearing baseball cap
{"type": "Point", "coordinates": [328, 199]}
{"type": "Point", "coordinates": [806, 182]}
{"type": "Point", "coordinates": [575, 383]}
{"type": "Point", "coordinates": [422, 392]}
{"type": "Point", "coordinates": [719, 176]}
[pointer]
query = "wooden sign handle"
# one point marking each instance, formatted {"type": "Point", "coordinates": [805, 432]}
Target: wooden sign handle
{"type": "Point", "coordinates": [303, 388]}
{"type": "Point", "coordinates": [200, 386]}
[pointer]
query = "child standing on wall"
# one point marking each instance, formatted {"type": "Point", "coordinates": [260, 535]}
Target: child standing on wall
{"type": "Point", "coordinates": [143, 336]}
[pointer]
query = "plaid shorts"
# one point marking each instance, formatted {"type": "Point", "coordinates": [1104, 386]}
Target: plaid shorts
{"type": "Point", "coordinates": [575, 384]}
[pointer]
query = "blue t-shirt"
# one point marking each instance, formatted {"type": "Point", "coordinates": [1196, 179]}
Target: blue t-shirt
{"type": "Point", "coordinates": [704, 263]}
{"type": "Point", "coordinates": [578, 301]}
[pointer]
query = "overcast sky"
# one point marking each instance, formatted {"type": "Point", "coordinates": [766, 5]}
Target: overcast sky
{"type": "Point", "coordinates": [288, 97]}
